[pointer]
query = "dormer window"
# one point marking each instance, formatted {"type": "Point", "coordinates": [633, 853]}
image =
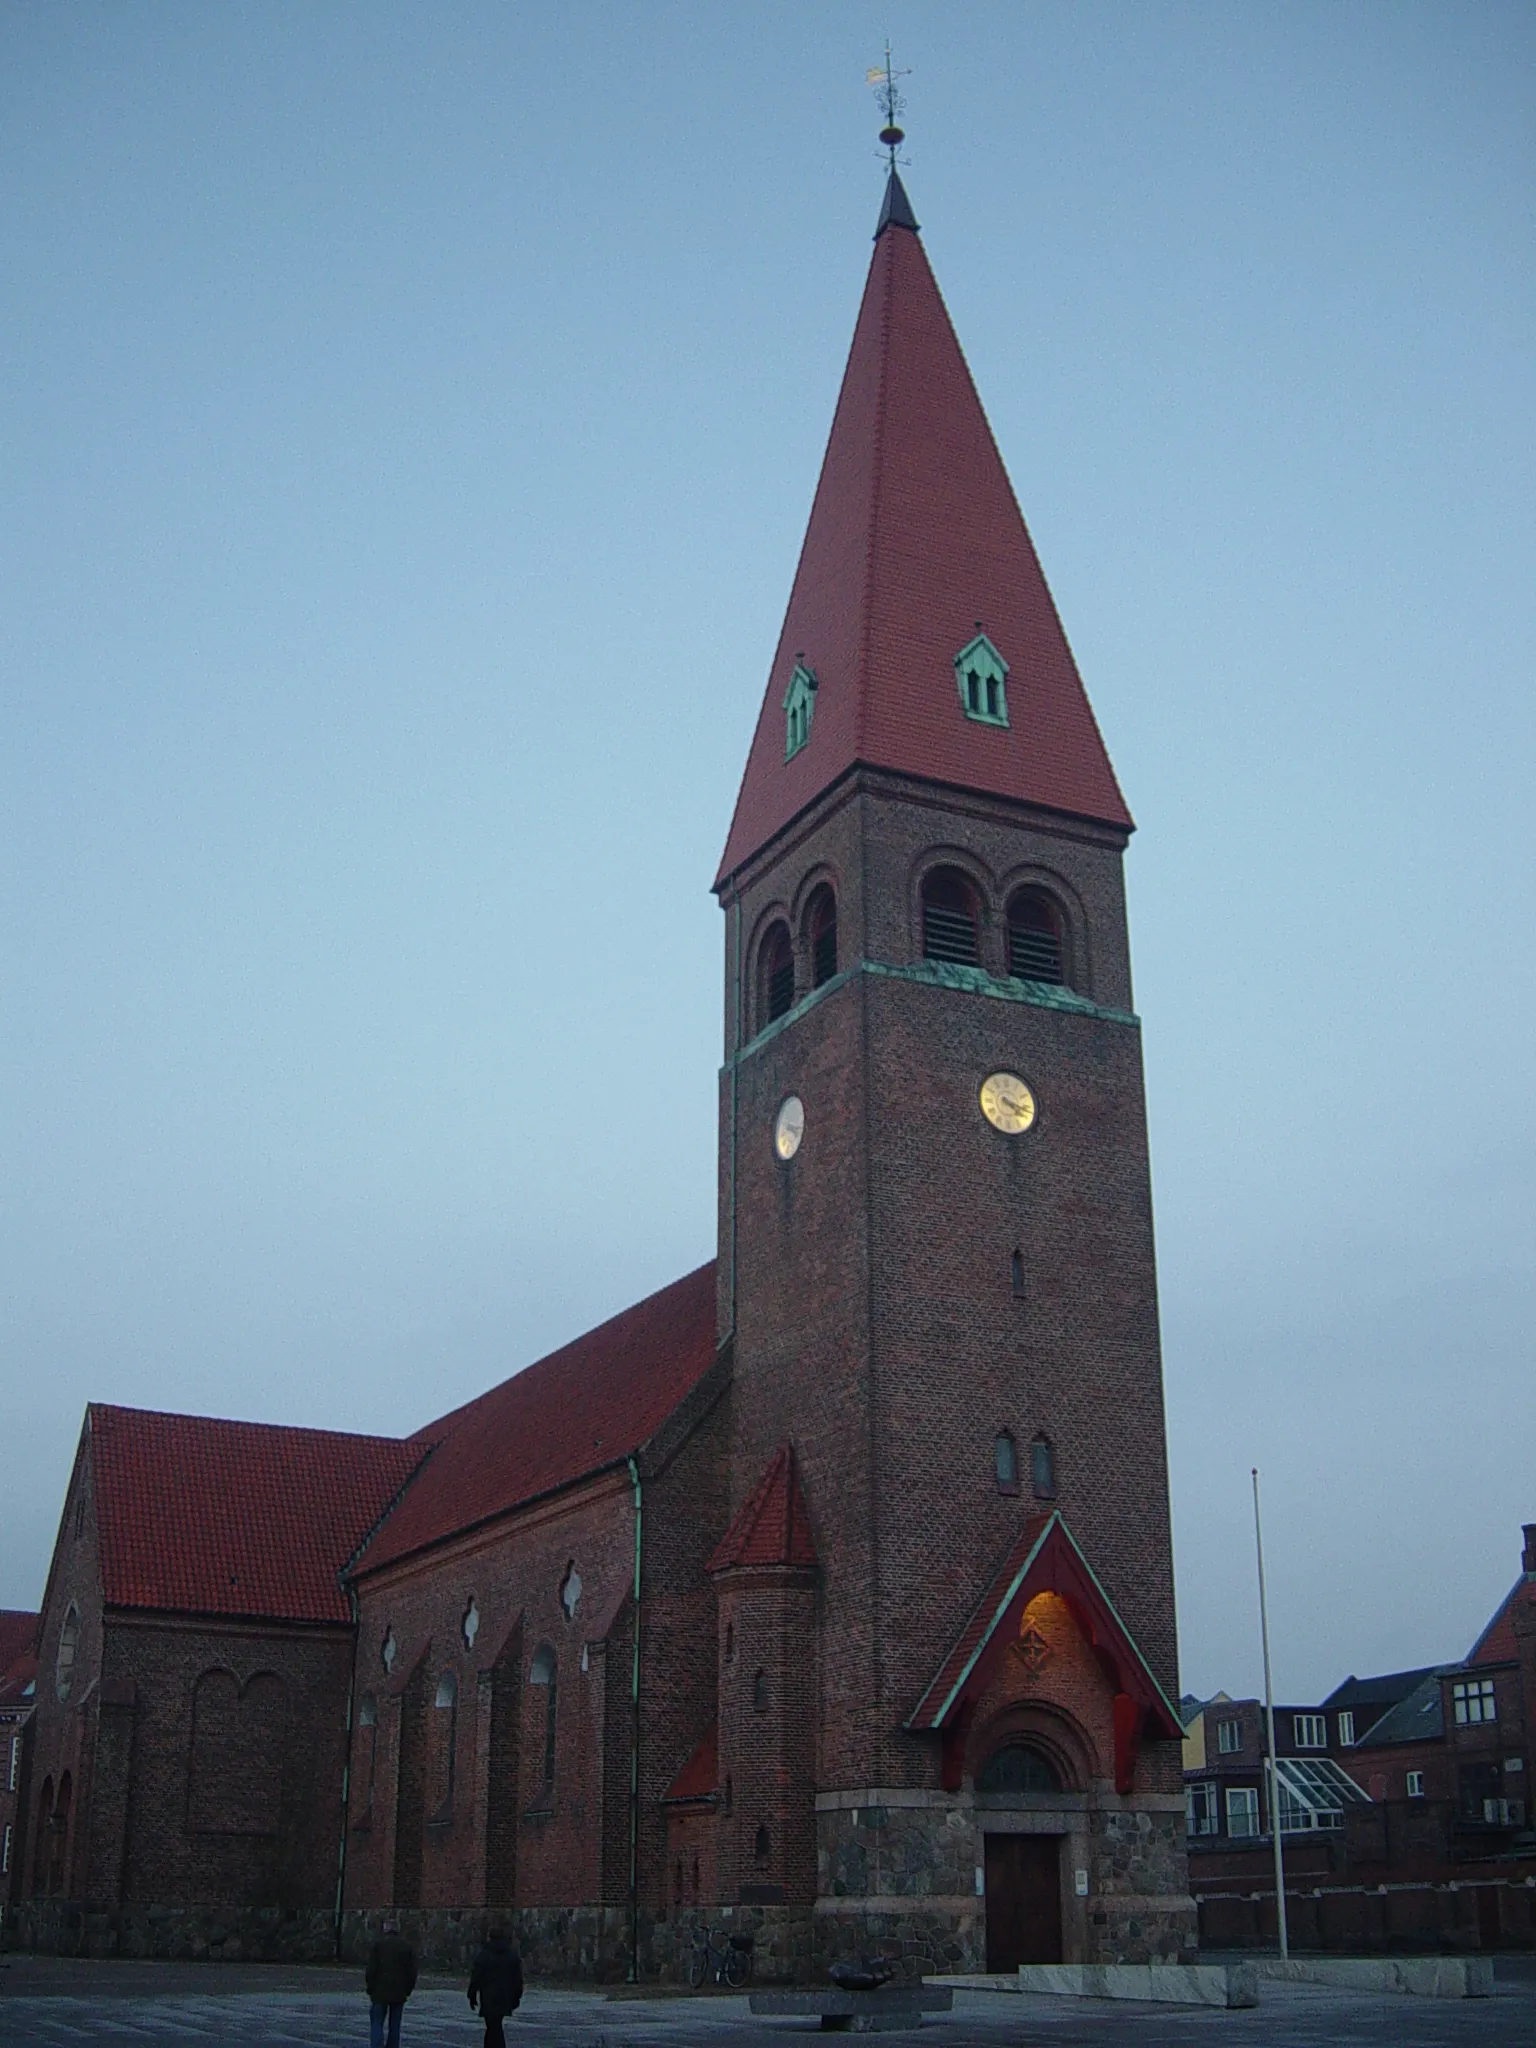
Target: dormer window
{"type": "Point", "coordinates": [981, 675]}
{"type": "Point", "coordinates": [799, 705]}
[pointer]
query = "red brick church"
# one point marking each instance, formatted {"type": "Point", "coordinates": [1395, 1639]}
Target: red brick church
{"type": "Point", "coordinates": [829, 1590]}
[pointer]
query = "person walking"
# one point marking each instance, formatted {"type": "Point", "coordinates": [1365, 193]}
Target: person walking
{"type": "Point", "coordinates": [389, 1979]}
{"type": "Point", "coordinates": [496, 1984]}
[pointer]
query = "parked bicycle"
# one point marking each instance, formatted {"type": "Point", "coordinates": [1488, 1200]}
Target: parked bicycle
{"type": "Point", "coordinates": [720, 1957]}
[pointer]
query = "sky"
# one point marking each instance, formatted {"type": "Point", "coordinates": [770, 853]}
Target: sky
{"type": "Point", "coordinates": [410, 417]}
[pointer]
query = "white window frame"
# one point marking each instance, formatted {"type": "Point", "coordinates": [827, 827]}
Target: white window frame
{"type": "Point", "coordinates": [1202, 1807]}
{"type": "Point", "coordinates": [1316, 1731]}
{"type": "Point", "coordinates": [1224, 1730]}
{"type": "Point", "coordinates": [15, 1765]}
{"type": "Point", "coordinates": [1243, 1800]}
{"type": "Point", "coordinates": [1346, 1731]}
{"type": "Point", "coordinates": [1415, 1784]}
{"type": "Point", "coordinates": [1474, 1702]}
{"type": "Point", "coordinates": [5, 1850]}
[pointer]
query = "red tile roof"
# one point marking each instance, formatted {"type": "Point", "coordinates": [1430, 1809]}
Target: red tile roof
{"type": "Point", "coordinates": [1044, 1558]}
{"type": "Point", "coordinates": [583, 1408]}
{"type": "Point", "coordinates": [202, 1516]}
{"type": "Point", "coordinates": [774, 1526]}
{"type": "Point", "coordinates": [700, 1776]}
{"type": "Point", "coordinates": [914, 536]}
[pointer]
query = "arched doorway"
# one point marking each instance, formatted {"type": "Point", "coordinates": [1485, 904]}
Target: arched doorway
{"type": "Point", "coordinates": [1022, 1871]}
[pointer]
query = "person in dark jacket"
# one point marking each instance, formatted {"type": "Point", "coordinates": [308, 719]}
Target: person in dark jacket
{"type": "Point", "coordinates": [389, 1979]}
{"type": "Point", "coordinates": [496, 1984]}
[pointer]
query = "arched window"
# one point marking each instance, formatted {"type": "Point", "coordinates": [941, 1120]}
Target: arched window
{"type": "Point", "coordinates": [728, 1792]}
{"type": "Point", "coordinates": [760, 1693]}
{"type": "Point", "coordinates": [951, 918]}
{"type": "Point", "coordinates": [1005, 1462]}
{"type": "Point", "coordinates": [1018, 1768]}
{"type": "Point", "coordinates": [1037, 935]}
{"type": "Point", "coordinates": [1042, 1467]}
{"type": "Point", "coordinates": [760, 1847]}
{"type": "Point", "coordinates": [545, 1671]}
{"type": "Point", "coordinates": [775, 974]}
{"type": "Point", "coordinates": [69, 1650]}
{"type": "Point", "coordinates": [821, 934]}
{"type": "Point", "coordinates": [1017, 1269]}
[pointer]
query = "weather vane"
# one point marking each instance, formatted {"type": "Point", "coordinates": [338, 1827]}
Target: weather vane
{"type": "Point", "coordinates": [890, 102]}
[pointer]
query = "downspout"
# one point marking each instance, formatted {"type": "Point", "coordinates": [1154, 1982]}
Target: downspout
{"type": "Point", "coordinates": [346, 1776]}
{"type": "Point", "coordinates": [634, 1753]}
{"type": "Point", "coordinates": [735, 1086]}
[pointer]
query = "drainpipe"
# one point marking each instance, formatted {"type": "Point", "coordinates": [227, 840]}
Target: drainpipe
{"type": "Point", "coordinates": [346, 1777]}
{"type": "Point", "coordinates": [736, 964]}
{"type": "Point", "coordinates": [634, 1753]}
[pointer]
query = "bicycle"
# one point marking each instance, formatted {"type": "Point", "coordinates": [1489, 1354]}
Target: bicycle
{"type": "Point", "coordinates": [727, 1961]}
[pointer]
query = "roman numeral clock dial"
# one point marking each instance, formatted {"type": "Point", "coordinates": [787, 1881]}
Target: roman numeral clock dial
{"type": "Point", "coordinates": [1008, 1104]}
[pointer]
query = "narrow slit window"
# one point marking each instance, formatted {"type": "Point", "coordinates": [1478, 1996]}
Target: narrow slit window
{"type": "Point", "coordinates": [1042, 1468]}
{"type": "Point", "coordinates": [1016, 1268]}
{"type": "Point", "coordinates": [545, 1671]}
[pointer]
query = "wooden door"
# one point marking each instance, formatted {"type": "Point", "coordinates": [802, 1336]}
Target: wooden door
{"type": "Point", "coordinates": [1023, 1878]}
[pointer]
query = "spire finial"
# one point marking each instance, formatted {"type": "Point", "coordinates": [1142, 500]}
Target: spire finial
{"type": "Point", "coordinates": [891, 103]}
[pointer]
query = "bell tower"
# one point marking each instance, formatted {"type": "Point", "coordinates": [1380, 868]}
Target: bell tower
{"type": "Point", "coordinates": [936, 1253]}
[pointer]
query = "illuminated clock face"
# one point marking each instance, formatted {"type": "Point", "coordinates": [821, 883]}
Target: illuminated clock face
{"type": "Point", "coordinates": [1007, 1104]}
{"type": "Point", "coordinates": [789, 1127]}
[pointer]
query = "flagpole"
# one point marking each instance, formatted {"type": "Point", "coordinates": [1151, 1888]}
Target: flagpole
{"type": "Point", "coordinates": [1269, 1711]}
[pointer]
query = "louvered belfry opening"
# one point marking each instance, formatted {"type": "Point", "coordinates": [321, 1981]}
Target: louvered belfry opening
{"type": "Point", "coordinates": [821, 932]}
{"type": "Point", "coordinates": [1036, 951]}
{"type": "Point", "coordinates": [776, 974]}
{"type": "Point", "coordinates": [951, 920]}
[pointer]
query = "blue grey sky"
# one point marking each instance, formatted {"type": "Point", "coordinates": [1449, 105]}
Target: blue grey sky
{"type": "Point", "coordinates": [410, 417]}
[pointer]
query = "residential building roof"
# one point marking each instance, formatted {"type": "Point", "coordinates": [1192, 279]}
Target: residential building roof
{"type": "Point", "coordinates": [774, 1525]}
{"type": "Point", "coordinates": [1362, 1694]}
{"type": "Point", "coordinates": [586, 1407]}
{"type": "Point", "coordinates": [1498, 1644]}
{"type": "Point", "coordinates": [198, 1515]}
{"type": "Point", "coordinates": [18, 1634]}
{"type": "Point", "coordinates": [916, 543]}
{"type": "Point", "coordinates": [1419, 1716]}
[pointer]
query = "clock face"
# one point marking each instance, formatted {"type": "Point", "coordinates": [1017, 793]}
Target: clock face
{"type": "Point", "coordinates": [1007, 1103]}
{"type": "Point", "coordinates": [789, 1127]}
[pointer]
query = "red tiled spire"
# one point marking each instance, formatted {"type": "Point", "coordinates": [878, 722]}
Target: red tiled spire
{"type": "Point", "coordinates": [774, 1527]}
{"type": "Point", "coordinates": [914, 536]}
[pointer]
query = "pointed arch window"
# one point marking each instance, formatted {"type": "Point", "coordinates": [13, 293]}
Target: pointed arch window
{"type": "Point", "coordinates": [951, 918]}
{"type": "Point", "coordinates": [1005, 1462]}
{"type": "Point", "coordinates": [69, 1650]}
{"type": "Point", "coordinates": [821, 934]}
{"type": "Point", "coordinates": [1037, 938]}
{"type": "Point", "coordinates": [981, 676]}
{"type": "Point", "coordinates": [545, 1671]}
{"type": "Point", "coordinates": [445, 1704]}
{"type": "Point", "coordinates": [775, 974]}
{"type": "Point", "coordinates": [1042, 1468]}
{"type": "Point", "coordinates": [799, 709]}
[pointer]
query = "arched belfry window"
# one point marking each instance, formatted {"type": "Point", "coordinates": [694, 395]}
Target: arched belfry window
{"type": "Point", "coordinates": [821, 934]}
{"type": "Point", "coordinates": [981, 676]}
{"type": "Point", "coordinates": [1037, 938]}
{"type": "Point", "coordinates": [775, 974]}
{"type": "Point", "coordinates": [951, 918]}
{"type": "Point", "coordinates": [799, 709]}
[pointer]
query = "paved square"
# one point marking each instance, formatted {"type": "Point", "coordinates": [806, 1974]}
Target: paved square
{"type": "Point", "coordinates": [44, 2002]}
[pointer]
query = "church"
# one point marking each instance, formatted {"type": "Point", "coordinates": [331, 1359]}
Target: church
{"type": "Point", "coordinates": [826, 1595]}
